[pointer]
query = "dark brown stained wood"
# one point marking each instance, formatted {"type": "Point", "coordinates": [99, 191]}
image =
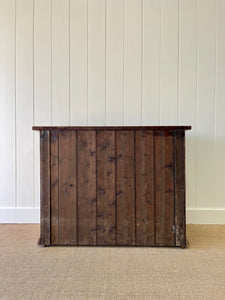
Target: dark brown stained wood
{"type": "Point", "coordinates": [86, 187]}
{"type": "Point", "coordinates": [110, 128]}
{"type": "Point", "coordinates": [67, 188]}
{"type": "Point", "coordinates": [125, 188]}
{"type": "Point", "coordinates": [54, 187]}
{"type": "Point", "coordinates": [45, 187]}
{"type": "Point", "coordinates": [145, 224]}
{"type": "Point", "coordinates": [106, 194]}
{"type": "Point", "coordinates": [113, 185]}
{"type": "Point", "coordinates": [180, 222]}
{"type": "Point", "coordinates": [164, 189]}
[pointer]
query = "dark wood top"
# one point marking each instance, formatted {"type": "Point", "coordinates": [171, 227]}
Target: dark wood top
{"type": "Point", "coordinates": [111, 127]}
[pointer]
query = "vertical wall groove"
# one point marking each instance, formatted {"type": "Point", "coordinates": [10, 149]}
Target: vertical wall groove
{"type": "Point", "coordinates": [160, 62]}
{"type": "Point", "coordinates": [69, 71]}
{"type": "Point", "coordinates": [142, 20]}
{"type": "Point", "coordinates": [34, 119]}
{"type": "Point", "coordinates": [16, 190]}
{"type": "Point", "coordinates": [123, 54]}
{"type": "Point", "coordinates": [178, 63]}
{"type": "Point", "coordinates": [196, 108]}
{"type": "Point", "coordinates": [51, 65]}
{"type": "Point", "coordinates": [87, 65]}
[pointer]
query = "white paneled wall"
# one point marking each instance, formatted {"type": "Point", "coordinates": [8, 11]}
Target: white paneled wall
{"type": "Point", "coordinates": [112, 62]}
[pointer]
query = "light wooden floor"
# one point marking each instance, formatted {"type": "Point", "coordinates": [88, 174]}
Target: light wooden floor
{"type": "Point", "coordinates": [30, 272]}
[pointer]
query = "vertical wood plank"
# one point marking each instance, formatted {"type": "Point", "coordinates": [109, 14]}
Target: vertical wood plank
{"type": "Point", "coordinates": [45, 187]}
{"type": "Point", "coordinates": [164, 188]}
{"type": "Point", "coordinates": [114, 62]}
{"type": "Point", "coordinates": [7, 104]}
{"type": "Point", "coordinates": [180, 222]}
{"type": "Point", "coordinates": [86, 187]}
{"type": "Point", "coordinates": [67, 188]}
{"type": "Point", "coordinates": [169, 62]}
{"type": "Point", "coordinates": [188, 89]}
{"type": "Point", "coordinates": [24, 102]}
{"type": "Point", "coordinates": [145, 223]}
{"type": "Point", "coordinates": [96, 62]}
{"type": "Point", "coordinates": [151, 62]}
{"type": "Point", "coordinates": [219, 190]}
{"type": "Point", "coordinates": [205, 103]}
{"type": "Point", "coordinates": [42, 80]}
{"type": "Point", "coordinates": [106, 191]}
{"type": "Point", "coordinates": [78, 62]}
{"type": "Point", "coordinates": [125, 188]}
{"type": "Point", "coordinates": [132, 61]}
{"type": "Point", "coordinates": [60, 62]}
{"type": "Point", "coordinates": [54, 187]}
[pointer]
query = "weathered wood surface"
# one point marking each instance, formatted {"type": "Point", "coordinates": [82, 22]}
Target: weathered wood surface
{"type": "Point", "coordinates": [113, 187]}
{"type": "Point", "coordinates": [180, 222]}
{"type": "Point", "coordinates": [145, 223]}
{"type": "Point", "coordinates": [125, 189]}
{"type": "Point", "coordinates": [86, 187]}
{"type": "Point", "coordinates": [106, 189]}
{"type": "Point", "coordinates": [54, 187]}
{"type": "Point", "coordinates": [164, 189]}
{"type": "Point", "coordinates": [45, 187]}
{"type": "Point", "coordinates": [67, 188]}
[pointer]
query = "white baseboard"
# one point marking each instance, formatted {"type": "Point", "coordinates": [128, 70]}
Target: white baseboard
{"type": "Point", "coordinates": [205, 216]}
{"type": "Point", "coordinates": [19, 215]}
{"type": "Point", "coordinates": [32, 215]}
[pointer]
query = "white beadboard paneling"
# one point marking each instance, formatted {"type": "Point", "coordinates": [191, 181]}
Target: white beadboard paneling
{"type": "Point", "coordinates": [78, 62]}
{"type": "Point", "coordinates": [42, 62]}
{"type": "Point", "coordinates": [24, 101]}
{"type": "Point", "coordinates": [7, 103]}
{"type": "Point", "coordinates": [169, 62]}
{"type": "Point", "coordinates": [205, 102]}
{"type": "Point", "coordinates": [114, 62]}
{"type": "Point", "coordinates": [187, 90]}
{"type": "Point", "coordinates": [132, 62]}
{"type": "Point", "coordinates": [96, 62]}
{"type": "Point", "coordinates": [219, 192]}
{"type": "Point", "coordinates": [60, 62]}
{"type": "Point", "coordinates": [42, 81]}
{"type": "Point", "coordinates": [151, 62]}
{"type": "Point", "coordinates": [105, 62]}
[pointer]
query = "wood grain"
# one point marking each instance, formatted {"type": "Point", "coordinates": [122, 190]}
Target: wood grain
{"type": "Point", "coordinates": [145, 225]}
{"type": "Point", "coordinates": [106, 194]}
{"type": "Point", "coordinates": [180, 221]}
{"type": "Point", "coordinates": [67, 188]}
{"type": "Point", "coordinates": [45, 187]}
{"type": "Point", "coordinates": [164, 189]}
{"type": "Point", "coordinates": [86, 187]}
{"type": "Point", "coordinates": [54, 187]}
{"type": "Point", "coordinates": [125, 188]}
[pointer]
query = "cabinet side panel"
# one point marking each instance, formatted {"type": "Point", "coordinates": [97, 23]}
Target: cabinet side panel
{"type": "Point", "coordinates": [67, 188]}
{"type": "Point", "coordinates": [45, 187]}
{"type": "Point", "coordinates": [164, 193]}
{"type": "Point", "coordinates": [125, 188]}
{"type": "Point", "coordinates": [145, 225]}
{"type": "Point", "coordinates": [180, 222]}
{"type": "Point", "coordinates": [86, 187]}
{"type": "Point", "coordinates": [54, 187]}
{"type": "Point", "coordinates": [106, 231]}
